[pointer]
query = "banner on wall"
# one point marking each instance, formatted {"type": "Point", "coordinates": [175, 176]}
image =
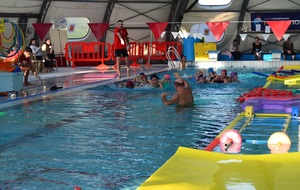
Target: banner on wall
{"type": "Point", "coordinates": [259, 20]}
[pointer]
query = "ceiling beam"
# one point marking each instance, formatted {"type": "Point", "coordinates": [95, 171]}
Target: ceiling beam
{"type": "Point", "coordinates": [241, 18]}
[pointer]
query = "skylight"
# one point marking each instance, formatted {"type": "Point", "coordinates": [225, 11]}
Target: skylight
{"type": "Point", "coordinates": [214, 2]}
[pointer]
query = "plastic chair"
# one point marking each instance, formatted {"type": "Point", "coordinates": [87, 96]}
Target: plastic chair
{"type": "Point", "coordinates": [38, 64]}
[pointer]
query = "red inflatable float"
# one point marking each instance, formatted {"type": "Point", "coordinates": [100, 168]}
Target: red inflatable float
{"type": "Point", "coordinates": [231, 141]}
{"type": "Point", "coordinates": [265, 92]}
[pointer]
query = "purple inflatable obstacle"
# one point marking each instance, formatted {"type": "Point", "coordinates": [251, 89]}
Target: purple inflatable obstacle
{"type": "Point", "coordinates": [260, 104]}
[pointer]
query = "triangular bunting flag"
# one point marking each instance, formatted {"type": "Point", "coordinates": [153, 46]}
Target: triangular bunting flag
{"type": "Point", "coordinates": [186, 35]}
{"type": "Point", "coordinates": [279, 27]}
{"type": "Point", "coordinates": [265, 36]}
{"type": "Point", "coordinates": [157, 28]}
{"type": "Point", "coordinates": [286, 36]}
{"type": "Point", "coordinates": [98, 29]}
{"type": "Point", "coordinates": [243, 36]}
{"type": "Point", "coordinates": [195, 35]}
{"type": "Point", "coordinates": [42, 29]}
{"type": "Point", "coordinates": [162, 34]}
{"type": "Point", "coordinates": [217, 28]}
{"type": "Point", "coordinates": [174, 34]}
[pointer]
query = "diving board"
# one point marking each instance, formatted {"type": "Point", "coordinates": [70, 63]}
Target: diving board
{"type": "Point", "coordinates": [194, 169]}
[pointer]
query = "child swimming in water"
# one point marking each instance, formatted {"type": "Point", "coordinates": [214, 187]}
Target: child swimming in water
{"type": "Point", "coordinates": [211, 74]}
{"type": "Point", "coordinates": [166, 81]}
{"type": "Point", "coordinates": [223, 78]}
{"type": "Point", "coordinates": [234, 77]}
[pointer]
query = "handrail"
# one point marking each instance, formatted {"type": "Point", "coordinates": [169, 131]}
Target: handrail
{"type": "Point", "coordinates": [172, 49]}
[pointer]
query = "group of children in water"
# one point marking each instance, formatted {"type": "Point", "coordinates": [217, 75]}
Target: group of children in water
{"type": "Point", "coordinates": [142, 80]}
{"type": "Point", "coordinates": [213, 77]}
{"type": "Point", "coordinates": [200, 77]}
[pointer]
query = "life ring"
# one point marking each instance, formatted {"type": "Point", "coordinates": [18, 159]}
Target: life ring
{"type": "Point", "coordinates": [231, 141]}
{"type": "Point", "coordinates": [279, 142]}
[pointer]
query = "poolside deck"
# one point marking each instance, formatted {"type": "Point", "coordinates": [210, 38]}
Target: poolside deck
{"type": "Point", "coordinates": [84, 77]}
{"type": "Point", "coordinates": [71, 79]}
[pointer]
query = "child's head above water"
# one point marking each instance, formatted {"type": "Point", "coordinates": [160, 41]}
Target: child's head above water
{"type": "Point", "coordinates": [167, 76]}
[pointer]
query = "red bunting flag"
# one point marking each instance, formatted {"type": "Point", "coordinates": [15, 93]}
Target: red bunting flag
{"type": "Point", "coordinates": [157, 28]}
{"type": "Point", "coordinates": [279, 27]}
{"type": "Point", "coordinates": [217, 28]}
{"type": "Point", "coordinates": [98, 29]}
{"type": "Point", "coordinates": [42, 29]}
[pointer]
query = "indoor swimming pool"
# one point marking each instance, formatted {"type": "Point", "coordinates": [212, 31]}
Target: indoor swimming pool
{"type": "Point", "coordinates": [109, 137]}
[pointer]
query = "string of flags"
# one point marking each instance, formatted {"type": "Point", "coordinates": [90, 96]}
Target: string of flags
{"type": "Point", "coordinates": [158, 29]}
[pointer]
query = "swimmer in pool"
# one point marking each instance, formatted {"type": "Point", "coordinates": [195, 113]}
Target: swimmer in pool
{"type": "Point", "coordinates": [211, 74]}
{"type": "Point", "coordinates": [223, 78]}
{"type": "Point", "coordinates": [234, 77]}
{"type": "Point", "coordinates": [155, 82]}
{"type": "Point", "coordinates": [128, 84]}
{"type": "Point", "coordinates": [144, 81]}
{"type": "Point", "coordinates": [201, 80]}
{"type": "Point", "coordinates": [196, 77]}
{"type": "Point", "coordinates": [183, 96]}
{"type": "Point", "coordinates": [166, 81]}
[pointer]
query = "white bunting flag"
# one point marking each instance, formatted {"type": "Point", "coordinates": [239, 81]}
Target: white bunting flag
{"type": "Point", "coordinates": [162, 34]}
{"type": "Point", "coordinates": [286, 36]}
{"type": "Point", "coordinates": [243, 36]}
{"type": "Point", "coordinates": [265, 36]}
{"type": "Point", "coordinates": [175, 34]}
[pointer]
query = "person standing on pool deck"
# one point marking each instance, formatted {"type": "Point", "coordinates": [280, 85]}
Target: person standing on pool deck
{"type": "Point", "coordinates": [121, 45]}
{"type": "Point", "coordinates": [183, 97]}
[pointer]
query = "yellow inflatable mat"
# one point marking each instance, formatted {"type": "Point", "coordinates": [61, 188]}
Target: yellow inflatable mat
{"type": "Point", "coordinates": [195, 169]}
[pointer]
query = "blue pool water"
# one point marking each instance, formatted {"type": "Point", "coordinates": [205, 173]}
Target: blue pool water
{"type": "Point", "coordinates": [107, 137]}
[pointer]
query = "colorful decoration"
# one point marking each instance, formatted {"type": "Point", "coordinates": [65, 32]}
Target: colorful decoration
{"type": "Point", "coordinates": [98, 29]}
{"type": "Point", "coordinates": [157, 28]}
{"type": "Point", "coordinates": [279, 27]}
{"type": "Point", "coordinates": [217, 28]}
{"type": "Point", "coordinates": [42, 29]}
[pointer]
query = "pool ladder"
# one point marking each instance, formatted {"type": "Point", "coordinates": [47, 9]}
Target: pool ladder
{"type": "Point", "coordinates": [172, 65]}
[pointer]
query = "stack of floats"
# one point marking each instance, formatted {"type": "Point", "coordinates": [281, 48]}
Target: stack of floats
{"type": "Point", "coordinates": [235, 169]}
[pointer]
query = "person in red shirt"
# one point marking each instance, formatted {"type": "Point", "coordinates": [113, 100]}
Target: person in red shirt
{"type": "Point", "coordinates": [121, 45]}
{"type": "Point", "coordinates": [26, 65]}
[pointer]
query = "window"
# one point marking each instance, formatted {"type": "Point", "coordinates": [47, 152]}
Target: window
{"type": "Point", "coordinates": [216, 4]}
{"type": "Point", "coordinates": [77, 27]}
{"type": "Point", "coordinates": [202, 31]}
